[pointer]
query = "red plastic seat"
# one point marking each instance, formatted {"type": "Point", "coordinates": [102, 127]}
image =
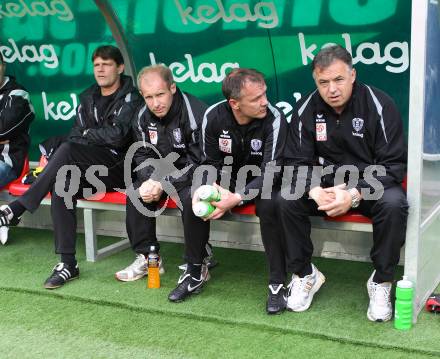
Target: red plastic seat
{"type": "Point", "coordinates": [23, 173]}
{"type": "Point", "coordinates": [17, 189]}
{"type": "Point", "coordinates": [248, 209]}
{"type": "Point", "coordinates": [356, 217]}
{"type": "Point", "coordinates": [109, 197]}
{"type": "Point", "coordinates": [351, 216]}
{"type": "Point", "coordinates": [121, 198]}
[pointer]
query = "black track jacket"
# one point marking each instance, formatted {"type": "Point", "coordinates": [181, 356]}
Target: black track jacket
{"type": "Point", "coordinates": [114, 131]}
{"type": "Point", "coordinates": [16, 115]}
{"type": "Point", "coordinates": [261, 143]}
{"type": "Point", "coordinates": [368, 132]}
{"type": "Point", "coordinates": [177, 132]}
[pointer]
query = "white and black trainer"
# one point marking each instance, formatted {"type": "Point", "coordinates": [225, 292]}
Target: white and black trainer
{"type": "Point", "coordinates": [7, 217]}
{"type": "Point", "coordinates": [61, 274]}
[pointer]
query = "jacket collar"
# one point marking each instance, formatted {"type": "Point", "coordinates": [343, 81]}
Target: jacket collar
{"type": "Point", "coordinates": [175, 109]}
{"type": "Point", "coordinates": [125, 88]}
{"type": "Point", "coordinates": [254, 124]}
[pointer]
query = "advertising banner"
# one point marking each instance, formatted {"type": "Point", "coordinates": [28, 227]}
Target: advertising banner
{"type": "Point", "coordinates": [48, 46]}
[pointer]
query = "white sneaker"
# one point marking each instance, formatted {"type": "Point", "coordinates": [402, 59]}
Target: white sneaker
{"type": "Point", "coordinates": [301, 290]}
{"type": "Point", "coordinates": [4, 234]}
{"type": "Point", "coordinates": [137, 269]}
{"type": "Point", "coordinates": [380, 308]}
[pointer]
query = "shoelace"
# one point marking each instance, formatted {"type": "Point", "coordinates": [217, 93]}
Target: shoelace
{"type": "Point", "coordinates": [139, 261]}
{"type": "Point", "coordinates": [380, 294]}
{"type": "Point", "coordinates": [298, 285]}
{"type": "Point", "coordinates": [275, 289]}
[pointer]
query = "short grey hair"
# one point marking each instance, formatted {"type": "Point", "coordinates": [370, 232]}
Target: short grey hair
{"type": "Point", "coordinates": [163, 71]}
{"type": "Point", "coordinates": [328, 54]}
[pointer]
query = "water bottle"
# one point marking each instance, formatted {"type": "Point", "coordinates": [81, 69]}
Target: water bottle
{"type": "Point", "coordinates": [153, 280]}
{"type": "Point", "coordinates": [209, 193]}
{"type": "Point", "coordinates": [404, 304]}
{"type": "Point", "coordinates": [203, 209]}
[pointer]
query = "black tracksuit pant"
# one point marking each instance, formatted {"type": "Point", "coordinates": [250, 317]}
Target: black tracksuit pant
{"type": "Point", "coordinates": [82, 156]}
{"type": "Point", "coordinates": [141, 229]}
{"type": "Point", "coordinates": [274, 242]}
{"type": "Point", "coordinates": [388, 214]}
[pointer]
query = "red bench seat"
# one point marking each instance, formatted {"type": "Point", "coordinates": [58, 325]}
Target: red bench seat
{"type": "Point", "coordinates": [17, 189]}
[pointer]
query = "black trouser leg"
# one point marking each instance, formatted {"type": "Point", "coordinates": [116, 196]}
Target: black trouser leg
{"type": "Point", "coordinates": [141, 229]}
{"type": "Point", "coordinates": [64, 225]}
{"type": "Point", "coordinates": [389, 215]}
{"type": "Point", "coordinates": [64, 218]}
{"type": "Point", "coordinates": [295, 223]}
{"type": "Point", "coordinates": [273, 239]}
{"type": "Point", "coordinates": [81, 156]}
{"type": "Point", "coordinates": [196, 230]}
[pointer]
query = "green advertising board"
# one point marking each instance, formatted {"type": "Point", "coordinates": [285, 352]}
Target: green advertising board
{"type": "Point", "coordinates": [48, 46]}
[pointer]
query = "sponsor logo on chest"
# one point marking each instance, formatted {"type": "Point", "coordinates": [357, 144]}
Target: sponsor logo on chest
{"type": "Point", "coordinates": [152, 133]}
{"type": "Point", "coordinates": [225, 142]}
{"type": "Point", "coordinates": [321, 127]}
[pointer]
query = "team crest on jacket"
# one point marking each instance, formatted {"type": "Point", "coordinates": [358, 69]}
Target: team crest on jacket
{"type": "Point", "coordinates": [177, 135]}
{"type": "Point", "coordinates": [358, 124]}
{"type": "Point", "coordinates": [256, 144]}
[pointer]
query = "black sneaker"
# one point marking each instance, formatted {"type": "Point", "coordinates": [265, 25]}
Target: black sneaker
{"type": "Point", "coordinates": [209, 259]}
{"type": "Point", "coordinates": [276, 299]}
{"type": "Point", "coordinates": [7, 217]}
{"type": "Point", "coordinates": [188, 285]}
{"type": "Point", "coordinates": [61, 274]}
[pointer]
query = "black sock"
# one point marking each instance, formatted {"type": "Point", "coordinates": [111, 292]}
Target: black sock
{"type": "Point", "coordinates": [69, 259]}
{"type": "Point", "coordinates": [195, 270]}
{"type": "Point", "coordinates": [17, 208]}
{"type": "Point", "coordinates": [378, 279]}
{"type": "Point", "coordinates": [306, 271]}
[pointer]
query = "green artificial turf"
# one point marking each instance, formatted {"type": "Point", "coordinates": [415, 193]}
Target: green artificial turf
{"type": "Point", "coordinates": [98, 317]}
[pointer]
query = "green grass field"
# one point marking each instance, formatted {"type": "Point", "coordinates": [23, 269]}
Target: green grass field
{"type": "Point", "coordinates": [98, 317]}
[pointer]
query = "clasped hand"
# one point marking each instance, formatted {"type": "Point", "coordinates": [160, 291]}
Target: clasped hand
{"type": "Point", "coordinates": [150, 191]}
{"type": "Point", "coordinates": [334, 201]}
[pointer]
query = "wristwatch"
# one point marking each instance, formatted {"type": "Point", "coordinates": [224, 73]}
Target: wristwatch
{"type": "Point", "coordinates": [355, 197]}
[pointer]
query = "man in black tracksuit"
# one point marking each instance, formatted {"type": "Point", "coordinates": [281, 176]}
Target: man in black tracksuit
{"type": "Point", "coordinates": [100, 136]}
{"type": "Point", "coordinates": [16, 115]}
{"type": "Point", "coordinates": [168, 122]}
{"type": "Point", "coordinates": [243, 139]}
{"type": "Point", "coordinates": [355, 133]}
